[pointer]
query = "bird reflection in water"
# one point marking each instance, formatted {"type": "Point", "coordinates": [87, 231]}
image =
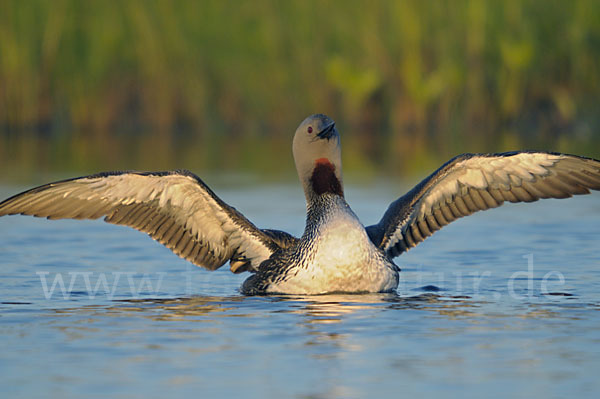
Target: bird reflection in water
{"type": "Point", "coordinates": [316, 309]}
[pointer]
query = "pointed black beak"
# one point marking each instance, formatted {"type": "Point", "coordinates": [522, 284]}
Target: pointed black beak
{"type": "Point", "coordinates": [328, 132]}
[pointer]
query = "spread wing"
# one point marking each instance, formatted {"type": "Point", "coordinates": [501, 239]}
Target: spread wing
{"type": "Point", "coordinates": [175, 208]}
{"type": "Point", "coordinates": [472, 182]}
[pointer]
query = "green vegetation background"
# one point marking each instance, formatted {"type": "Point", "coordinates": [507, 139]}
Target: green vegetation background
{"type": "Point", "coordinates": [221, 85]}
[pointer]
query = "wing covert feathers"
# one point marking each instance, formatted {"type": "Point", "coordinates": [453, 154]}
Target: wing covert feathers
{"type": "Point", "coordinates": [472, 182]}
{"type": "Point", "coordinates": [175, 208]}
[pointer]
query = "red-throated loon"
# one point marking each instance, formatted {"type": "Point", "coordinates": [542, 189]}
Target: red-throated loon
{"type": "Point", "coordinates": [336, 253]}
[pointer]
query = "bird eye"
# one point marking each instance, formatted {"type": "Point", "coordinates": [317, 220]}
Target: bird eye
{"type": "Point", "coordinates": [310, 129]}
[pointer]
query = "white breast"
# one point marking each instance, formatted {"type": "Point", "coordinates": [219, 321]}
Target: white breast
{"type": "Point", "coordinates": [340, 258]}
{"type": "Point", "coordinates": [342, 242]}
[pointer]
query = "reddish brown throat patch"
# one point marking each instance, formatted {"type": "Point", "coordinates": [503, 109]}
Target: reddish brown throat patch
{"type": "Point", "coordinates": [324, 180]}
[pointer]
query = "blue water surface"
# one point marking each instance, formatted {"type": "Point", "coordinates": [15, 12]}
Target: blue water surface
{"type": "Point", "coordinates": [504, 303]}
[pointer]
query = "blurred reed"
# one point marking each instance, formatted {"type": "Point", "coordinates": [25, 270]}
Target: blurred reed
{"type": "Point", "coordinates": [88, 85]}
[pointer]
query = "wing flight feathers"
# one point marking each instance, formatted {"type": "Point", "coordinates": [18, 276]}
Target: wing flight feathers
{"type": "Point", "coordinates": [175, 208]}
{"type": "Point", "coordinates": [472, 182]}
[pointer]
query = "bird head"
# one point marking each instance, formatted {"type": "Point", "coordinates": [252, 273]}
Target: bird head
{"type": "Point", "coordinates": [317, 154]}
